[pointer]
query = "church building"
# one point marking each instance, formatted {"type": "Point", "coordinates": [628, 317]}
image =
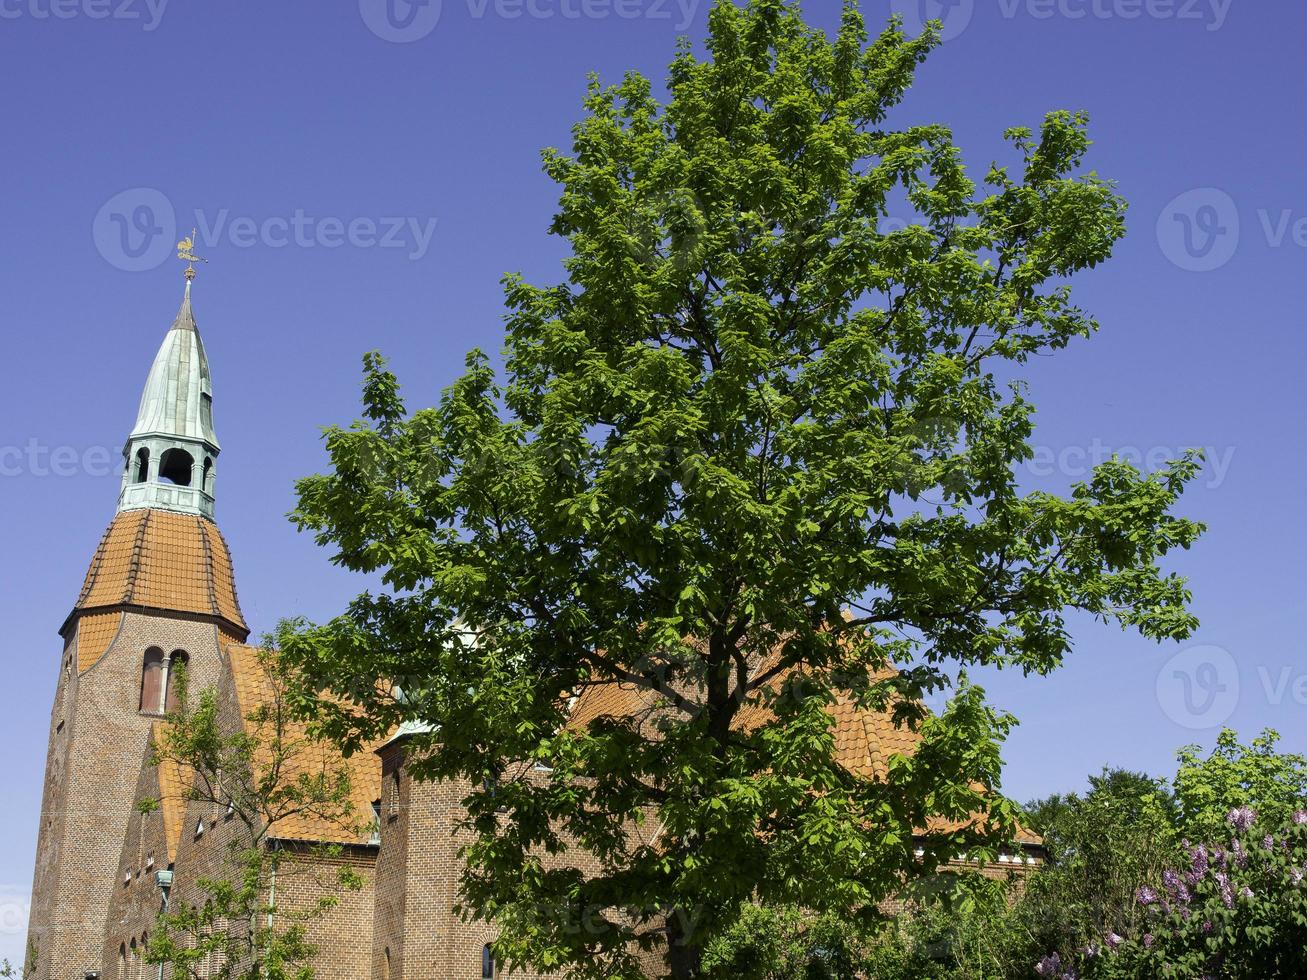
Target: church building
{"type": "Point", "coordinates": [159, 594]}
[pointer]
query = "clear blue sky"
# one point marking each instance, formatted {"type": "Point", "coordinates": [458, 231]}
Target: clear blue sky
{"type": "Point", "coordinates": [338, 116]}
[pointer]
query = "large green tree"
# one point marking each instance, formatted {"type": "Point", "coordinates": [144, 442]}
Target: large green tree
{"type": "Point", "coordinates": [759, 449]}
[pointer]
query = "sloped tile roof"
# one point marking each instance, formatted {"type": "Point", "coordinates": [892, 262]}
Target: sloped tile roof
{"type": "Point", "coordinates": [865, 740]}
{"type": "Point", "coordinates": [160, 560]}
{"type": "Point", "coordinates": [174, 784]}
{"type": "Point", "coordinates": [253, 688]}
{"type": "Point", "coordinates": [94, 634]}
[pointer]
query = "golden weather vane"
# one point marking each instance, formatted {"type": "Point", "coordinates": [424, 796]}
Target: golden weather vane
{"type": "Point", "coordinates": [186, 252]}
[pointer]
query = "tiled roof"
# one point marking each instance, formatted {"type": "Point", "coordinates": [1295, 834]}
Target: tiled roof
{"type": "Point", "coordinates": [865, 740]}
{"type": "Point", "coordinates": [161, 560]}
{"type": "Point", "coordinates": [254, 688]}
{"type": "Point", "coordinates": [174, 784]}
{"type": "Point", "coordinates": [94, 634]}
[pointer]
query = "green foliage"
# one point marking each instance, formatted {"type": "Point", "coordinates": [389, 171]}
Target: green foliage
{"type": "Point", "coordinates": [1101, 846]}
{"type": "Point", "coordinates": [1235, 908]}
{"type": "Point", "coordinates": [749, 409]}
{"type": "Point", "coordinates": [260, 774]}
{"type": "Point", "coordinates": [1234, 775]}
{"type": "Point", "coordinates": [8, 970]}
{"type": "Point", "coordinates": [782, 943]}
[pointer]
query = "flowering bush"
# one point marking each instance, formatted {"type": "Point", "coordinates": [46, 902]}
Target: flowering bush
{"type": "Point", "coordinates": [1234, 909]}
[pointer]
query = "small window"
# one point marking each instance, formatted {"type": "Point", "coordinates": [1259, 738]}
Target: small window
{"type": "Point", "coordinates": [487, 963]}
{"type": "Point", "coordinates": [393, 803]}
{"type": "Point", "coordinates": [207, 483]}
{"type": "Point", "coordinates": [199, 828]}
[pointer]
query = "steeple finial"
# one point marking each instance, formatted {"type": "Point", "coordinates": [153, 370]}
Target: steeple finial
{"type": "Point", "coordinates": [186, 252]}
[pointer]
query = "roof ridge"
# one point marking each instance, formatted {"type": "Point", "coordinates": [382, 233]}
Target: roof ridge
{"type": "Point", "coordinates": [209, 575]}
{"type": "Point", "coordinates": [231, 564]}
{"type": "Point", "coordinates": [134, 566]}
{"type": "Point", "coordinates": [96, 561]}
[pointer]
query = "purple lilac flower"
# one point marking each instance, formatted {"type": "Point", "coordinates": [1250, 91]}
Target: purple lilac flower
{"type": "Point", "coordinates": [1241, 818]}
{"type": "Point", "coordinates": [1295, 876]}
{"type": "Point", "coordinates": [1240, 855]}
{"type": "Point", "coordinates": [1300, 816]}
{"type": "Point", "coordinates": [1090, 951]}
{"type": "Point", "coordinates": [1113, 940]}
{"type": "Point", "coordinates": [1198, 858]}
{"type": "Point", "coordinates": [1185, 913]}
{"type": "Point", "coordinates": [1176, 886]}
{"type": "Point", "coordinates": [1049, 966]}
{"type": "Point", "coordinates": [1208, 926]}
{"type": "Point", "coordinates": [1268, 842]}
{"type": "Point", "coordinates": [1145, 895]}
{"type": "Point", "coordinates": [1246, 892]}
{"type": "Point", "coordinates": [1149, 939]}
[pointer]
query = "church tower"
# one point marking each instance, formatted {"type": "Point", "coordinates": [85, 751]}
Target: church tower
{"type": "Point", "coordinates": [160, 591]}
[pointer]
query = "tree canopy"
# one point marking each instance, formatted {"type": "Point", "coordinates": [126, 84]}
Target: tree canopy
{"type": "Point", "coordinates": [757, 451]}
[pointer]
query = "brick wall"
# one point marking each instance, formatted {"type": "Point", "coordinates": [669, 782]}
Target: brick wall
{"type": "Point", "coordinates": [97, 741]}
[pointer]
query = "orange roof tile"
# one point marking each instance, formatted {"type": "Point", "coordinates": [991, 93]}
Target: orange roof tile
{"type": "Point", "coordinates": [254, 688]}
{"type": "Point", "coordinates": [865, 740]}
{"type": "Point", "coordinates": [160, 560]}
{"type": "Point", "coordinates": [174, 784]}
{"type": "Point", "coordinates": [94, 634]}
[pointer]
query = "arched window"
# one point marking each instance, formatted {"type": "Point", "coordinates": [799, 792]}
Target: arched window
{"type": "Point", "coordinates": [142, 472]}
{"type": "Point", "coordinates": [122, 962]}
{"type": "Point", "coordinates": [487, 963]}
{"type": "Point", "coordinates": [207, 484]}
{"type": "Point", "coordinates": [385, 966]}
{"type": "Point", "coordinates": [152, 682]}
{"type": "Point", "coordinates": [176, 665]}
{"type": "Point", "coordinates": [176, 466]}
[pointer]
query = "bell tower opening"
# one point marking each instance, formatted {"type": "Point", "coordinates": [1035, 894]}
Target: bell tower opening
{"type": "Point", "coordinates": [175, 467]}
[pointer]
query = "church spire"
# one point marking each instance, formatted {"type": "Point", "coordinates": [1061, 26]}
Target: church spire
{"type": "Point", "coordinates": [172, 449]}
